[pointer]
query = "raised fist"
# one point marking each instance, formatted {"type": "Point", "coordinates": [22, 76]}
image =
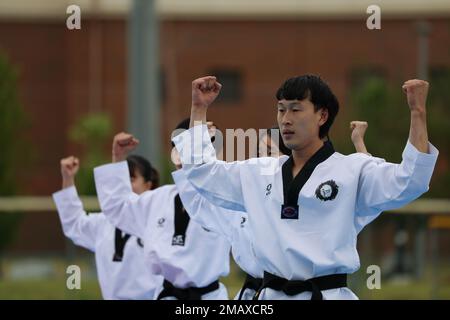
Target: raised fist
{"type": "Point", "coordinates": [416, 93]}
{"type": "Point", "coordinates": [358, 130]}
{"type": "Point", "coordinates": [123, 144]}
{"type": "Point", "coordinates": [204, 91]}
{"type": "Point", "coordinates": [69, 167]}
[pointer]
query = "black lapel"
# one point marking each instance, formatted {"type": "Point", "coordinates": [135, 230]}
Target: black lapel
{"type": "Point", "coordinates": [181, 223]}
{"type": "Point", "coordinates": [119, 244]}
{"type": "Point", "coordinates": [292, 186]}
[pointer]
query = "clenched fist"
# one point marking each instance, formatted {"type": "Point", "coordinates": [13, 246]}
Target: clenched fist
{"type": "Point", "coordinates": [123, 144]}
{"type": "Point", "coordinates": [69, 168]}
{"type": "Point", "coordinates": [416, 93]}
{"type": "Point", "coordinates": [358, 130]}
{"type": "Point", "coordinates": [204, 91]}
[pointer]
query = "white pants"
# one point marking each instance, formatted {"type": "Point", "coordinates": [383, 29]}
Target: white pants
{"type": "Point", "coordinates": [248, 294]}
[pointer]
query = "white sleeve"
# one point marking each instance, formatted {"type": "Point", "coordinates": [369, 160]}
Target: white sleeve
{"type": "Point", "coordinates": [218, 181]}
{"type": "Point", "coordinates": [202, 211]}
{"type": "Point", "coordinates": [81, 228]}
{"type": "Point", "coordinates": [123, 208]}
{"type": "Point", "coordinates": [386, 186]}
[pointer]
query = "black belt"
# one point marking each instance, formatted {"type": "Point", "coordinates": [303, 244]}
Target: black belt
{"type": "Point", "coordinates": [191, 293]}
{"type": "Point", "coordinates": [250, 283]}
{"type": "Point", "coordinates": [293, 287]}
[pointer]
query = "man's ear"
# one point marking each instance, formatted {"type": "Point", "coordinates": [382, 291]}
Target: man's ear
{"type": "Point", "coordinates": [149, 185]}
{"type": "Point", "coordinates": [323, 116]}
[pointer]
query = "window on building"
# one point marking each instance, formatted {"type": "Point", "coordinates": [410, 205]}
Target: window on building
{"type": "Point", "coordinates": [231, 81]}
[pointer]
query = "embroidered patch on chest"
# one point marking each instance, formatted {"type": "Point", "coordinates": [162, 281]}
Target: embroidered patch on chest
{"type": "Point", "coordinates": [268, 189]}
{"type": "Point", "coordinates": [178, 240]}
{"type": "Point", "coordinates": [327, 190]}
{"type": "Point", "coordinates": [243, 220]}
{"type": "Point", "coordinates": [161, 222]}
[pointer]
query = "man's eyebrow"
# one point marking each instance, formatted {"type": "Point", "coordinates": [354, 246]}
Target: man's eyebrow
{"type": "Point", "coordinates": [290, 104]}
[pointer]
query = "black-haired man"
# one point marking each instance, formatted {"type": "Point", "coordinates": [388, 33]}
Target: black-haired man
{"type": "Point", "coordinates": [303, 215]}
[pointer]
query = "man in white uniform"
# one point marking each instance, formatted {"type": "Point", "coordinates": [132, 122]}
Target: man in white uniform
{"type": "Point", "coordinates": [121, 267]}
{"type": "Point", "coordinates": [303, 214]}
{"type": "Point", "coordinates": [233, 224]}
{"type": "Point", "coordinates": [189, 257]}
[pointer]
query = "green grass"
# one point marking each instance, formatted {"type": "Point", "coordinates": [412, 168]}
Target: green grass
{"type": "Point", "coordinates": [54, 287]}
{"type": "Point", "coordinates": [412, 289]}
{"type": "Point", "coordinates": [234, 281]}
{"type": "Point", "coordinates": [417, 290]}
{"type": "Point", "coordinates": [47, 289]}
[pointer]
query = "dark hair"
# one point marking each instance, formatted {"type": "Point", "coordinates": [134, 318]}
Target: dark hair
{"type": "Point", "coordinates": [144, 167]}
{"type": "Point", "coordinates": [184, 124]}
{"type": "Point", "coordinates": [317, 91]}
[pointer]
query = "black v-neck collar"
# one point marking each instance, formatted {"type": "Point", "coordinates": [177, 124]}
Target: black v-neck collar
{"type": "Point", "coordinates": [119, 244]}
{"type": "Point", "coordinates": [181, 222]}
{"type": "Point", "coordinates": [291, 185]}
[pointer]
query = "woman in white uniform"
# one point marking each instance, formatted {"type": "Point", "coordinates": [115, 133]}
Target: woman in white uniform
{"type": "Point", "coordinates": [189, 257]}
{"type": "Point", "coordinates": [121, 268]}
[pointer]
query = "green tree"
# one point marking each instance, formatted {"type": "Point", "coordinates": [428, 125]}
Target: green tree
{"type": "Point", "coordinates": [92, 132]}
{"type": "Point", "coordinates": [12, 123]}
{"type": "Point", "coordinates": [439, 128]}
{"type": "Point", "coordinates": [384, 108]}
{"type": "Point", "coordinates": [383, 105]}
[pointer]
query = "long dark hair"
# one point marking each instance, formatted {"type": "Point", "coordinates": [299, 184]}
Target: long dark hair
{"type": "Point", "coordinates": [144, 167]}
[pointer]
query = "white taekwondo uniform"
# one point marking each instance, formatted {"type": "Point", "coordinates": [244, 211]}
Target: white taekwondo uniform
{"type": "Point", "coordinates": [319, 237]}
{"type": "Point", "coordinates": [230, 224]}
{"type": "Point", "coordinates": [234, 226]}
{"type": "Point", "coordinates": [121, 268]}
{"type": "Point", "coordinates": [186, 256]}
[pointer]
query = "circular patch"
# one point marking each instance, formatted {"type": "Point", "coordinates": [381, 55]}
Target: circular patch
{"type": "Point", "coordinates": [327, 190]}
